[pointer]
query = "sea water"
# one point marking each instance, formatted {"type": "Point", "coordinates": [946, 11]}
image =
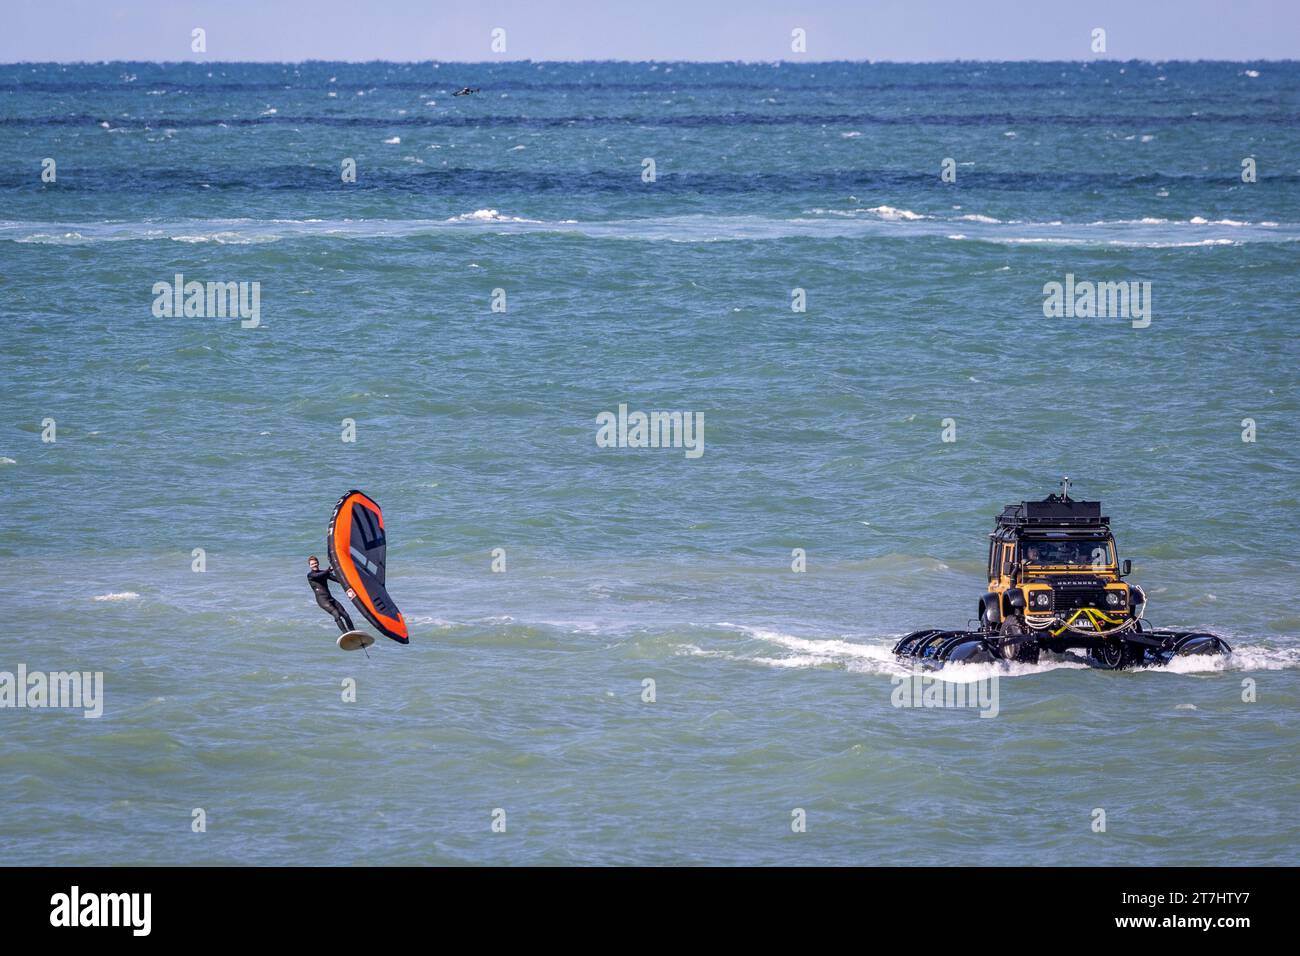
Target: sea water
{"type": "Point", "coordinates": [628, 654]}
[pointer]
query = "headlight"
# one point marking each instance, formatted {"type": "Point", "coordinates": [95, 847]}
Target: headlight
{"type": "Point", "coordinates": [1042, 599]}
{"type": "Point", "coordinates": [1114, 599]}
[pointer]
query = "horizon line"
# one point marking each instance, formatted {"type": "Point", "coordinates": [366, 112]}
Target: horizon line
{"type": "Point", "coordinates": [669, 62]}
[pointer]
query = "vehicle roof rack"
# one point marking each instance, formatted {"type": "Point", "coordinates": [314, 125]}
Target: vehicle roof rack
{"type": "Point", "coordinates": [1054, 511]}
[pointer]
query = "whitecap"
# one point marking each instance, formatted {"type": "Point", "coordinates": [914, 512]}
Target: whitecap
{"type": "Point", "coordinates": [892, 214]}
{"type": "Point", "coordinates": [487, 215]}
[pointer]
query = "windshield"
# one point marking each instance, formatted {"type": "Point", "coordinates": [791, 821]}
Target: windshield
{"type": "Point", "coordinates": [1091, 552]}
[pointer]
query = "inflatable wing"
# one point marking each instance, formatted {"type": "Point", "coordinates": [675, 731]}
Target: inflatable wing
{"type": "Point", "coordinates": [355, 540]}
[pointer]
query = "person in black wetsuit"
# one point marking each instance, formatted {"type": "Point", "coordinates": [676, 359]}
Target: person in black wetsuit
{"type": "Point", "coordinates": [319, 581]}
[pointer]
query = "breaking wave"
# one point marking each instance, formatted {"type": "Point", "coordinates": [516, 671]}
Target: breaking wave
{"type": "Point", "coordinates": [876, 222]}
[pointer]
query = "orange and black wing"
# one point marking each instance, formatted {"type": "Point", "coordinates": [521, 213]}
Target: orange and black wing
{"type": "Point", "coordinates": [357, 549]}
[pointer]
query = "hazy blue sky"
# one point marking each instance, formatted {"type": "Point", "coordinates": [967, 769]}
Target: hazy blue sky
{"type": "Point", "coordinates": [655, 29]}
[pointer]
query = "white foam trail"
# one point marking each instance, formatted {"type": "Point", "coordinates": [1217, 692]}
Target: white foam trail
{"type": "Point", "coordinates": [877, 658]}
{"type": "Point", "coordinates": [827, 648]}
{"type": "Point", "coordinates": [857, 657]}
{"type": "Point", "coordinates": [117, 596]}
{"type": "Point", "coordinates": [1242, 658]}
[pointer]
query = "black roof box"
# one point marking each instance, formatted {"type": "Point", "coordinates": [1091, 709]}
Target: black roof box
{"type": "Point", "coordinates": [1053, 511]}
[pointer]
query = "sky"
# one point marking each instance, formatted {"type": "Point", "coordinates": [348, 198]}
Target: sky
{"type": "Point", "coordinates": [419, 30]}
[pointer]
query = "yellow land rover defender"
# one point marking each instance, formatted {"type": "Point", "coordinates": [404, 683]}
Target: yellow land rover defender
{"type": "Point", "coordinates": [1055, 583]}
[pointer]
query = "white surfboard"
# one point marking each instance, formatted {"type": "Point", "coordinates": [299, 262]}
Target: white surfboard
{"type": "Point", "coordinates": [354, 640]}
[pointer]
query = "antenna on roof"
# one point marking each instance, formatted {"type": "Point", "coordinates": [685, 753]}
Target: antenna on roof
{"type": "Point", "coordinates": [1065, 487]}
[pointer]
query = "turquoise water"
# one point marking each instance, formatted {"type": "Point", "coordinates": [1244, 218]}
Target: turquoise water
{"type": "Point", "coordinates": [476, 430]}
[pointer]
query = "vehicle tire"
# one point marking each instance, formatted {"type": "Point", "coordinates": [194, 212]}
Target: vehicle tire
{"type": "Point", "coordinates": [1025, 652]}
{"type": "Point", "coordinates": [988, 618]}
{"type": "Point", "coordinates": [1115, 655]}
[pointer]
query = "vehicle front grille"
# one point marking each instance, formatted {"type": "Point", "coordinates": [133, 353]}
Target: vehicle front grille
{"type": "Point", "coordinates": [1070, 599]}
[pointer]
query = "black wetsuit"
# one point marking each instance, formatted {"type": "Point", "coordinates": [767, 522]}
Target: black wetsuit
{"type": "Point", "coordinates": [319, 581]}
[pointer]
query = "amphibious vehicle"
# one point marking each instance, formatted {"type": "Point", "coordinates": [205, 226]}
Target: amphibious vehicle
{"type": "Point", "coordinates": [1056, 584]}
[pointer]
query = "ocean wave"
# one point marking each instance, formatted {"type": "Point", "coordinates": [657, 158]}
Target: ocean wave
{"type": "Point", "coordinates": [489, 215]}
{"type": "Point", "coordinates": [1193, 221]}
{"type": "Point", "coordinates": [1121, 243]}
{"type": "Point", "coordinates": [890, 214]}
{"type": "Point", "coordinates": [724, 119]}
{"type": "Point", "coordinates": [117, 596]}
{"type": "Point", "coordinates": [885, 222]}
